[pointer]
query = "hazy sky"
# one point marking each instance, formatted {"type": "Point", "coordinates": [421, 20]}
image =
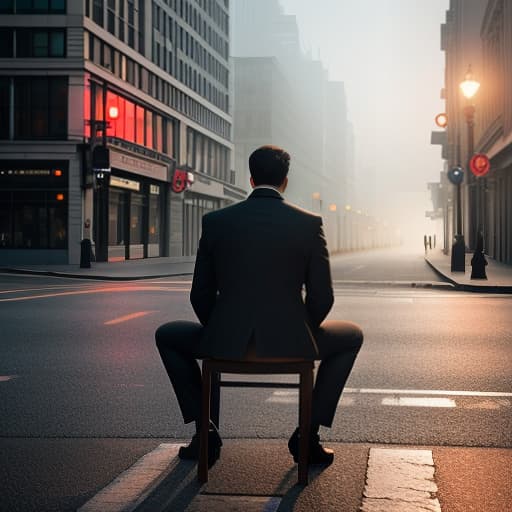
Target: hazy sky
{"type": "Point", "coordinates": [388, 54]}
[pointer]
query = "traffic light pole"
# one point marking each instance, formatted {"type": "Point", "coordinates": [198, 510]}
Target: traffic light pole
{"type": "Point", "coordinates": [458, 256]}
{"type": "Point", "coordinates": [101, 185]}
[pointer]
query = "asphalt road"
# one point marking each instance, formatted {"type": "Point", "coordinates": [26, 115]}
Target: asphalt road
{"type": "Point", "coordinates": [83, 392]}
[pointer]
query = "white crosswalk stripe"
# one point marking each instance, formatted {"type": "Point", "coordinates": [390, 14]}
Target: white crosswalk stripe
{"type": "Point", "coordinates": [409, 398]}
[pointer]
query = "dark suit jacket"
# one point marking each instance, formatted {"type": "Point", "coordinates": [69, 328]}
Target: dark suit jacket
{"type": "Point", "coordinates": [253, 259]}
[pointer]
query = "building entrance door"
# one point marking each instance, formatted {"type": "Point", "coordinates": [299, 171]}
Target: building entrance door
{"type": "Point", "coordinates": [118, 220]}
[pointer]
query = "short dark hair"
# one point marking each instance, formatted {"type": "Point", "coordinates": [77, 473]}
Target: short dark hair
{"type": "Point", "coordinates": [269, 165]}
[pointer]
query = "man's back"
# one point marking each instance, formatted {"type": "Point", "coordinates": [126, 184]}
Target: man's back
{"type": "Point", "coordinates": [253, 261]}
{"type": "Point", "coordinates": [257, 255]}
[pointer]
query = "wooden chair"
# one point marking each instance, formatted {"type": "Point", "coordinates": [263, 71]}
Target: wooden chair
{"type": "Point", "coordinates": [217, 367]}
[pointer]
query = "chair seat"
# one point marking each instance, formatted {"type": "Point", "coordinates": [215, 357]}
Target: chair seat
{"type": "Point", "coordinates": [261, 366]}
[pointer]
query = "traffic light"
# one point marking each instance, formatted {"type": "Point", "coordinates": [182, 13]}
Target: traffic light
{"type": "Point", "coordinates": [100, 159]}
{"type": "Point", "coordinates": [456, 175]}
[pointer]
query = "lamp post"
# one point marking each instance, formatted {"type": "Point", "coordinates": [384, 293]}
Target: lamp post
{"type": "Point", "coordinates": [333, 208]}
{"type": "Point", "coordinates": [469, 88]}
{"type": "Point", "coordinates": [347, 236]}
{"type": "Point", "coordinates": [101, 175]}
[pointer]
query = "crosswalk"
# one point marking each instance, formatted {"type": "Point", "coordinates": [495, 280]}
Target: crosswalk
{"type": "Point", "coordinates": [389, 479]}
{"type": "Point", "coordinates": [435, 398]}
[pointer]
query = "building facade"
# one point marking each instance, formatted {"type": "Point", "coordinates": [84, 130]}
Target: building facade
{"type": "Point", "coordinates": [115, 127]}
{"type": "Point", "coordinates": [479, 34]}
{"type": "Point", "coordinates": [284, 97]}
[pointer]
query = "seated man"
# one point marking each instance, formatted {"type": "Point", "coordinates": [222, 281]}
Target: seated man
{"type": "Point", "coordinates": [254, 259]}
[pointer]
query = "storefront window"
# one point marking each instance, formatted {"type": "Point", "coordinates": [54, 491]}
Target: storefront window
{"type": "Point", "coordinates": [194, 207]}
{"type": "Point", "coordinates": [33, 220]}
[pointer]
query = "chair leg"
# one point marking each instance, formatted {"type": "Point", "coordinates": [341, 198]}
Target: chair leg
{"type": "Point", "coordinates": [202, 466]}
{"type": "Point", "coordinates": [305, 396]}
{"type": "Point", "coordinates": [215, 398]}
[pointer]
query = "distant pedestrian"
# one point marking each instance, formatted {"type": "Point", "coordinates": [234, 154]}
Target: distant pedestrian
{"type": "Point", "coordinates": [430, 242]}
{"type": "Point", "coordinates": [425, 242]}
{"type": "Point", "coordinates": [434, 241]}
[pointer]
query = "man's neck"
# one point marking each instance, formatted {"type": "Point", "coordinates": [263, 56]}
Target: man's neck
{"type": "Point", "coordinates": [271, 187]}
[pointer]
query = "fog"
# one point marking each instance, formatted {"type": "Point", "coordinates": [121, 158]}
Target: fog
{"type": "Point", "coordinates": [387, 53]}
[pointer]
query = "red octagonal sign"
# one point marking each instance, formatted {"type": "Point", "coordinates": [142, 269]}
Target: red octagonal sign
{"type": "Point", "coordinates": [479, 164]}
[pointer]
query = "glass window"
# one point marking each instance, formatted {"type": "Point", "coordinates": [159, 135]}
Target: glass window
{"type": "Point", "coordinates": [149, 129]}
{"type": "Point", "coordinates": [57, 43]}
{"type": "Point", "coordinates": [169, 137]}
{"type": "Point", "coordinates": [6, 6]}
{"type": "Point", "coordinates": [139, 112]}
{"type": "Point", "coordinates": [190, 149]}
{"type": "Point", "coordinates": [4, 107]}
{"type": "Point", "coordinates": [37, 6]}
{"type": "Point", "coordinates": [130, 124]}
{"type": "Point", "coordinates": [111, 22]}
{"type": "Point", "coordinates": [23, 42]}
{"type": "Point", "coordinates": [97, 12]}
{"type": "Point", "coordinates": [58, 5]}
{"type": "Point", "coordinates": [158, 133]}
{"type": "Point", "coordinates": [40, 107]}
{"type": "Point", "coordinates": [6, 46]}
{"type": "Point", "coordinates": [33, 219]}
{"type": "Point", "coordinates": [40, 43]}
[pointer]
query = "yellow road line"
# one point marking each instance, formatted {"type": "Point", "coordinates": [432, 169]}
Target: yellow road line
{"type": "Point", "coordinates": [125, 318]}
{"type": "Point", "coordinates": [97, 290]}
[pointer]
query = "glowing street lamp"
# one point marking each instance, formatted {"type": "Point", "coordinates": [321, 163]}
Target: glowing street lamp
{"type": "Point", "coordinates": [469, 86]}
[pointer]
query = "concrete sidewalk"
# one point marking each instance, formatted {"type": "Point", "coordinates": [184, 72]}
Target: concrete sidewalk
{"type": "Point", "coordinates": [499, 275]}
{"type": "Point", "coordinates": [149, 268]}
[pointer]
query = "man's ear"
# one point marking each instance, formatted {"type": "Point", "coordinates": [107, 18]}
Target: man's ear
{"type": "Point", "coordinates": [252, 182]}
{"type": "Point", "coordinates": [284, 184]}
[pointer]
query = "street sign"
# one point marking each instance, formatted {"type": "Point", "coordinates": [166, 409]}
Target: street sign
{"type": "Point", "coordinates": [479, 164]}
{"type": "Point", "coordinates": [456, 175]}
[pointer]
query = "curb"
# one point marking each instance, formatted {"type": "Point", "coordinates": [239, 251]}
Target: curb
{"type": "Point", "coordinates": [89, 276]}
{"type": "Point", "coordinates": [470, 287]}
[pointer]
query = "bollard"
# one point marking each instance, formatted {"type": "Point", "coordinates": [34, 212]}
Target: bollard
{"type": "Point", "coordinates": [85, 253]}
{"type": "Point", "coordinates": [478, 261]}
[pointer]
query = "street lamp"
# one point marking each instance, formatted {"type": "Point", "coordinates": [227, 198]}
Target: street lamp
{"type": "Point", "coordinates": [469, 87]}
{"type": "Point", "coordinates": [333, 208]}
{"type": "Point", "coordinates": [316, 196]}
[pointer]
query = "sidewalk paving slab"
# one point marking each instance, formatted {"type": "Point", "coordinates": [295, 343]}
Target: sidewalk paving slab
{"type": "Point", "coordinates": [499, 275]}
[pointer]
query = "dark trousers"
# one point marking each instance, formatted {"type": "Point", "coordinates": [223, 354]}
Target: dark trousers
{"type": "Point", "coordinates": [338, 344]}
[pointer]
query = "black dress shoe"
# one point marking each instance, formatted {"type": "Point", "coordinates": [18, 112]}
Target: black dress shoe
{"type": "Point", "coordinates": [317, 453]}
{"type": "Point", "coordinates": [191, 452]}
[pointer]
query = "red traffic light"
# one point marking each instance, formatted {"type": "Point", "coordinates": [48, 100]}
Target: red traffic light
{"type": "Point", "coordinates": [479, 164]}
